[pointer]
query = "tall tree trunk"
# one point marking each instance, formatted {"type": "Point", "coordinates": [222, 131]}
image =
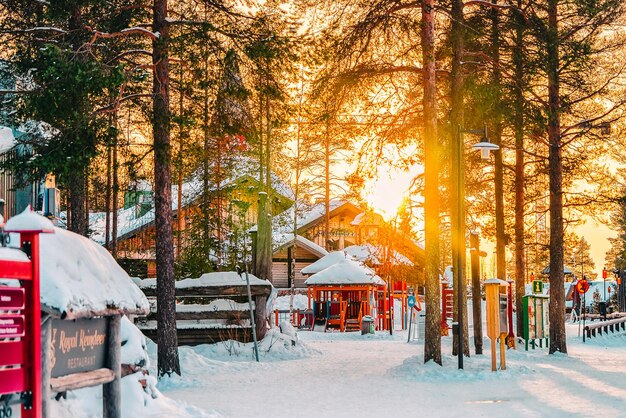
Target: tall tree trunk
{"type": "Point", "coordinates": [327, 185]}
{"type": "Point", "coordinates": [259, 246]}
{"type": "Point", "coordinates": [107, 205]}
{"type": "Point", "coordinates": [263, 246]}
{"type": "Point", "coordinates": [518, 122]}
{"type": "Point", "coordinates": [476, 291]}
{"type": "Point", "coordinates": [167, 339]}
{"type": "Point", "coordinates": [115, 194]}
{"type": "Point", "coordinates": [86, 172]}
{"type": "Point", "coordinates": [457, 174]}
{"type": "Point", "coordinates": [77, 201]}
{"type": "Point", "coordinates": [206, 143]}
{"type": "Point", "coordinates": [498, 166]}
{"type": "Point", "coordinates": [218, 200]}
{"type": "Point", "coordinates": [432, 335]}
{"type": "Point", "coordinates": [180, 157]}
{"type": "Point", "coordinates": [268, 189]}
{"type": "Point", "coordinates": [555, 169]}
{"type": "Point", "coordinates": [76, 176]}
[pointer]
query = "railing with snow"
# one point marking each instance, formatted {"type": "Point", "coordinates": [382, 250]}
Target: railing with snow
{"type": "Point", "coordinates": [613, 325]}
{"type": "Point", "coordinates": [302, 319]}
{"type": "Point", "coordinates": [221, 312]}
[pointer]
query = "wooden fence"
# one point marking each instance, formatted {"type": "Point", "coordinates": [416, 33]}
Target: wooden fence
{"type": "Point", "coordinates": [210, 319]}
{"type": "Point", "coordinates": [613, 325]}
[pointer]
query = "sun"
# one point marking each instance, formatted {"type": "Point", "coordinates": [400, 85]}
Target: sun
{"type": "Point", "coordinates": [386, 193]}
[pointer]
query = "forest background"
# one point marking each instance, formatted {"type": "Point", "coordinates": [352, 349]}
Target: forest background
{"type": "Point", "coordinates": [113, 92]}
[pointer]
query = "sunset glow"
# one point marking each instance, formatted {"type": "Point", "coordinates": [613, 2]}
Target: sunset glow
{"type": "Point", "coordinates": [385, 194]}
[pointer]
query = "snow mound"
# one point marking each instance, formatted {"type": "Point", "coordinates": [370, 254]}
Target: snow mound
{"type": "Point", "coordinates": [299, 302]}
{"type": "Point", "coordinates": [87, 403]}
{"type": "Point", "coordinates": [79, 278]}
{"type": "Point", "coordinates": [134, 346]}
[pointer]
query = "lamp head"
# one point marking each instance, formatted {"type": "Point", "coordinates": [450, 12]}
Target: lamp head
{"type": "Point", "coordinates": [485, 147]}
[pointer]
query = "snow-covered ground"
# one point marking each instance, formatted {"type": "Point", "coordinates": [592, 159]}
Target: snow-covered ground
{"type": "Point", "coordinates": [350, 375]}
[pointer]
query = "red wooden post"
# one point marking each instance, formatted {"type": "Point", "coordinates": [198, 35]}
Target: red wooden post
{"type": "Point", "coordinates": [32, 346]}
{"type": "Point", "coordinates": [510, 339]}
{"type": "Point", "coordinates": [29, 226]}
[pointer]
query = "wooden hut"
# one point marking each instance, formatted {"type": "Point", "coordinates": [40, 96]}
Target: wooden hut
{"type": "Point", "coordinates": [343, 293]}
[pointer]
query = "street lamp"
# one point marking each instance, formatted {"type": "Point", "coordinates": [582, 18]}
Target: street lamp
{"type": "Point", "coordinates": [484, 146]}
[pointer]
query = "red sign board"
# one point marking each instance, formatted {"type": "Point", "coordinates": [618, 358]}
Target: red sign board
{"type": "Point", "coordinates": [11, 326]}
{"type": "Point", "coordinates": [11, 298]}
{"type": "Point", "coordinates": [582, 286]}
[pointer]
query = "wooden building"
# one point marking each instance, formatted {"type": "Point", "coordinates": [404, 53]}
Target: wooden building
{"type": "Point", "coordinates": [136, 229]}
{"type": "Point", "coordinates": [350, 228]}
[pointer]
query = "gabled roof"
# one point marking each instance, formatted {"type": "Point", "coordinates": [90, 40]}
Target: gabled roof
{"type": "Point", "coordinates": [327, 261]}
{"type": "Point", "coordinates": [308, 215]}
{"type": "Point", "coordinates": [282, 241]}
{"type": "Point", "coordinates": [346, 272]}
{"type": "Point", "coordinates": [375, 255]}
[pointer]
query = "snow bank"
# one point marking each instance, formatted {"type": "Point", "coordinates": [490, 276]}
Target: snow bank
{"type": "Point", "coordinates": [87, 403]}
{"type": "Point", "coordinates": [299, 302]}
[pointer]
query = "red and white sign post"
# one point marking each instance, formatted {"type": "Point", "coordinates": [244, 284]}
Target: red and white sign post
{"type": "Point", "coordinates": [20, 328]}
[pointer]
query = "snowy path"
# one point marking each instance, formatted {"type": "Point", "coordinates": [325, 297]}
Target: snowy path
{"type": "Point", "coordinates": [349, 375]}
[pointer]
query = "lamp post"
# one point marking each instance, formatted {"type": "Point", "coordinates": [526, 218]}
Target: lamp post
{"type": "Point", "coordinates": [484, 146]}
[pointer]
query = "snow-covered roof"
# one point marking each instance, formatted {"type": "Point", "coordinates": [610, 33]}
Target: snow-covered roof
{"type": "Point", "coordinates": [566, 270]}
{"type": "Point", "coordinates": [346, 272]}
{"type": "Point", "coordinates": [368, 218]}
{"type": "Point", "coordinates": [219, 278]}
{"type": "Point", "coordinates": [79, 278]}
{"type": "Point", "coordinates": [327, 261]}
{"type": "Point", "coordinates": [281, 241]}
{"type": "Point", "coordinates": [375, 255]}
{"type": "Point", "coordinates": [7, 140]}
{"type": "Point", "coordinates": [307, 215]}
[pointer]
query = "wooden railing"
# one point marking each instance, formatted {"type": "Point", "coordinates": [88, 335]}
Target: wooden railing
{"type": "Point", "coordinates": [613, 325]}
{"type": "Point", "coordinates": [302, 319]}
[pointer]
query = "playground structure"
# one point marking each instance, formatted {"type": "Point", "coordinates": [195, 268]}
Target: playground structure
{"type": "Point", "coordinates": [342, 294]}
